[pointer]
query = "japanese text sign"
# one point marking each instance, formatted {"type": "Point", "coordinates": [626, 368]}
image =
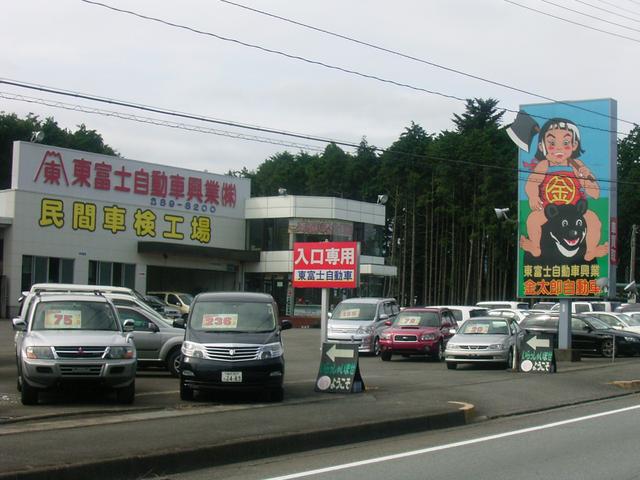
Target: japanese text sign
{"type": "Point", "coordinates": [536, 355]}
{"type": "Point", "coordinates": [325, 265]}
{"type": "Point", "coordinates": [339, 369]}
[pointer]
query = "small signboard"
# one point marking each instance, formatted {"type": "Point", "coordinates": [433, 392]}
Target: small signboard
{"type": "Point", "coordinates": [339, 370]}
{"type": "Point", "coordinates": [325, 264]}
{"type": "Point", "coordinates": [537, 354]}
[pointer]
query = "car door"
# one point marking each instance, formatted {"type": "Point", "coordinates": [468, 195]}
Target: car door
{"type": "Point", "coordinates": [447, 325]}
{"type": "Point", "coordinates": [583, 337]}
{"type": "Point", "coordinates": [146, 334]}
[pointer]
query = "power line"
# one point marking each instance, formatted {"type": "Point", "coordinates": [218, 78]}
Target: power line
{"type": "Point", "coordinates": [591, 16]}
{"type": "Point", "coordinates": [313, 62]}
{"type": "Point", "coordinates": [619, 7]}
{"type": "Point", "coordinates": [154, 121]}
{"type": "Point", "coordinates": [607, 11]}
{"type": "Point", "coordinates": [235, 135]}
{"type": "Point", "coordinates": [416, 59]}
{"type": "Point", "coordinates": [569, 21]}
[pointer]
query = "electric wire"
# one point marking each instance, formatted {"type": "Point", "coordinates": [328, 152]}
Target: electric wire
{"type": "Point", "coordinates": [136, 118]}
{"type": "Point", "coordinates": [416, 59]}
{"type": "Point", "coordinates": [570, 21]}
{"type": "Point", "coordinates": [314, 62]}
{"type": "Point", "coordinates": [593, 17]}
{"type": "Point", "coordinates": [607, 11]}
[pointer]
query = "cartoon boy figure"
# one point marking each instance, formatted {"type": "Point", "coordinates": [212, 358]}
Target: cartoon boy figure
{"type": "Point", "coordinates": [561, 178]}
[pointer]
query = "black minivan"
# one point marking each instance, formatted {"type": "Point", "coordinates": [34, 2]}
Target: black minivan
{"type": "Point", "coordinates": [233, 342]}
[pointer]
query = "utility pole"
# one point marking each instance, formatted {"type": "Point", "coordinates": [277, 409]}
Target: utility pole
{"type": "Point", "coordinates": [632, 261]}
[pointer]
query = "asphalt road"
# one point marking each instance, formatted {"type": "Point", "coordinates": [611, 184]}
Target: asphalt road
{"type": "Point", "coordinates": [594, 441]}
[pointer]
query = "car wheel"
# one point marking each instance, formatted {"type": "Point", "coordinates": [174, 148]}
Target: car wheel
{"type": "Point", "coordinates": [276, 395]}
{"type": "Point", "coordinates": [173, 362]}
{"type": "Point", "coordinates": [376, 347]}
{"type": "Point", "coordinates": [385, 356]}
{"type": "Point", "coordinates": [127, 394]}
{"type": "Point", "coordinates": [452, 365]}
{"type": "Point", "coordinates": [439, 356]}
{"type": "Point", "coordinates": [509, 362]}
{"type": "Point", "coordinates": [28, 394]}
{"type": "Point", "coordinates": [18, 385]}
{"type": "Point", "coordinates": [606, 348]}
{"type": "Point", "coordinates": [186, 393]}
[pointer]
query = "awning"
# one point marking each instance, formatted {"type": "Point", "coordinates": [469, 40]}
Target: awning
{"type": "Point", "coordinates": [198, 251]}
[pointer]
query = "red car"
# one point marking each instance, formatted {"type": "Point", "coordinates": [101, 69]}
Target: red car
{"type": "Point", "coordinates": [418, 331]}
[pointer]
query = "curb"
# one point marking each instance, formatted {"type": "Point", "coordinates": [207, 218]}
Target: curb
{"type": "Point", "coordinates": [179, 460]}
{"type": "Point", "coordinates": [627, 384]}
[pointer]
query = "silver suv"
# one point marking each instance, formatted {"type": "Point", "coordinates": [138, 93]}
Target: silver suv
{"type": "Point", "coordinates": [74, 338]}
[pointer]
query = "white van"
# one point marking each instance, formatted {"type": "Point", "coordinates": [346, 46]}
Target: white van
{"type": "Point", "coordinates": [492, 305]}
{"type": "Point", "coordinates": [576, 307]}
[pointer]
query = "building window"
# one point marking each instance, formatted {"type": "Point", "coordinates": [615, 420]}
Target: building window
{"type": "Point", "coordinates": [268, 234]}
{"type": "Point", "coordinates": [371, 238]}
{"type": "Point", "coordinates": [112, 273]}
{"type": "Point", "coordinates": [37, 269]}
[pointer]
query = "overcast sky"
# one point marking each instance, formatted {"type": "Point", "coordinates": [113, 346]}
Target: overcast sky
{"type": "Point", "coordinates": [72, 45]}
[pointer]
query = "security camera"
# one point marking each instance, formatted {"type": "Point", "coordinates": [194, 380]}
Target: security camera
{"type": "Point", "coordinates": [631, 288]}
{"type": "Point", "coordinates": [501, 213]}
{"type": "Point", "coordinates": [382, 199]}
{"type": "Point", "coordinates": [37, 137]}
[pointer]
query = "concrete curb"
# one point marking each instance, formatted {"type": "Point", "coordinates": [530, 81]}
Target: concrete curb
{"type": "Point", "coordinates": [192, 458]}
{"type": "Point", "coordinates": [627, 384]}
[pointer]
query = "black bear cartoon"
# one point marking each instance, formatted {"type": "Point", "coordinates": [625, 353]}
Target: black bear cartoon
{"type": "Point", "coordinates": [563, 236]}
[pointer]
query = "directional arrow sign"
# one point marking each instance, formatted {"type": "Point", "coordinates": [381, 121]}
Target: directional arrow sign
{"type": "Point", "coordinates": [536, 342]}
{"type": "Point", "coordinates": [335, 352]}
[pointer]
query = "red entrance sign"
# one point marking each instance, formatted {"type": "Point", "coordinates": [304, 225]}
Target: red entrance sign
{"type": "Point", "coordinates": [325, 265]}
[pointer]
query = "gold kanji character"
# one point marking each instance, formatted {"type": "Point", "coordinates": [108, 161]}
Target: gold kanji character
{"type": "Point", "coordinates": [114, 219]}
{"type": "Point", "coordinates": [173, 233]}
{"type": "Point", "coordinates": [84, 216]}
{"type": "Point", "coordinates": [201, 229]}
{"type": "Point", "coordinates": [51, 213]}
{"type": "Point", "coordinates": [144, 223]}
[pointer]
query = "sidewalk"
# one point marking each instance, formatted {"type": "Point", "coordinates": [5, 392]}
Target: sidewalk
{"type": "Point", "coordinates": [147, 443]}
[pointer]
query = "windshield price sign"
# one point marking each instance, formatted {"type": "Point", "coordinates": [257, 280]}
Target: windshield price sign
{"type": "Point", "coordinates": [537, 354]}
{"type": "Point", "coordinates": [325, 264]}
{"type": "Point", "coordinates": [339, 369]}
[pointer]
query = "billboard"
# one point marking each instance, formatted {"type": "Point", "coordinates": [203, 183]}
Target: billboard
{"type": "Point", "coordinates": [566, 198]}
{"type": "Point", "coordinates": [325, 264]}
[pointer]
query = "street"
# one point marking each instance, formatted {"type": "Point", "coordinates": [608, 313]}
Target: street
{"type": "Point", "coordinates": [587, 442]}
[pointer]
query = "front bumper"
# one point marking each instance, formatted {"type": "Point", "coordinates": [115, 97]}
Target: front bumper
{"type": "Point", "coordinates": [46, 374]}
{"type": "Point", "coordinates": [204, 374]}
{"type": "Point", "coordinates": [364, 342]}
{"type": "Point", "coordinates": [476, 356]}
{"type": "Point", "coordinates": [428, 347]}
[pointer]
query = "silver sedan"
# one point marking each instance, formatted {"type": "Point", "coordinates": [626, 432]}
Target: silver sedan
{"type": "Point", "coordinates": [484, 340]}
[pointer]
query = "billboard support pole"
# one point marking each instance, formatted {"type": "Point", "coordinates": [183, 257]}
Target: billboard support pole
{"type": "Point", "coordinates": [324, 310]}
{"type": "Point", "coordinates": [564, 325]}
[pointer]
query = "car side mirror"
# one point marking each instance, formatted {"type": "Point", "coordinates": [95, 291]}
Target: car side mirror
{"type": "Point", "coordinates": [285, 325]}
{"type": "Point", "coordinates": [383, 316]}
{"type": "Point", "coordinates": [388, 323]}
{"type": "Point", "coordinates": [452, 331]}
{"type": "Point", "coordinates": [19, 324]}
{"type": "Point", "coordinates": [128, 325]}
{"type": "Point", "coordinates": [329, 314]}
{"type": "Point", "coordinates": [179, 323]}
{"type": "Point", "coordinates": [153, 327]}
{"type": "Point", "coordinates": [447, 325]}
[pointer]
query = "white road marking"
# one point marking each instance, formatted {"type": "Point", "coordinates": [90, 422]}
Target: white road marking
{"type": "Point", "coordinates": [450, 445]}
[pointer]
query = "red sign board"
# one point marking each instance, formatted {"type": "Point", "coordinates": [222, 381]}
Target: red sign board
{"type": "Point", "coordinates": [325, 265]}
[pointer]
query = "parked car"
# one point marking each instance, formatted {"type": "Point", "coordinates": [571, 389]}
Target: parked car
{"type": "Point", "coordinates": [513, 313]}
{"type": "Point", "coordinates": [74, 338]}
{"type": "Point", "coordinates": [620, 321]}
{"type": "Point", "coordinates": [589, 335]}
{"type": "Point", "coordinates": [162, 308]}
{"type": "Point", "coordinates": [361, 321]}
{"type": "Point", "coordinates": [182, 301]}
{"type": "Point", "coordinates": [605, 306]}
{"type": "Point", "coordinates": [503, 304]}
{"type": "Point", "coordinates": [484, 340]}
{"type": "Point", "coordinates": [543, 305]}
{"type": "Point", "coordinates": [305, 316]}
{"type": "Point", "coordinates": [157, 342]}
{"type": "Point", "coordinates": [233, 341]}
{"type": "Point", "coordinates": [576, 307]}
{"type": "Point", "coordinates": [463, 313]}
{"type": "Point", "coordinates": [418, 331]}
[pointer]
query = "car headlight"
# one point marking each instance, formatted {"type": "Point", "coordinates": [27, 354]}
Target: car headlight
{"type": "Point", "coordinates": [270, 350]}
{"type": "Point", "coordinates": [193, 349]}
{"type": "Point", "coordinates": [364, 330]}
{"type": "Point", "coordinates": [39, 353]}
{"type": "Point", "coordinates": [497, 346]}
{"type": "Point", "coordinates": [121, 352]}
{"type": "Point", "coordinates": [452, 346]}
{"type": "Point", "coordinates": [385, 336]}
{"type": "Point", "coordinates": [428, 336]}
{"type": "Point", "coordinates": [631, 339]}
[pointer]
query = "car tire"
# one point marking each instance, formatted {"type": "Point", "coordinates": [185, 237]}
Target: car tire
{"type": "Point", "coordinates": [376, 347]}
{"type": "Point", "coordinates": [385, 356]}
{"type": "Point", "coordinates": [276, 395]}
{"type": "Point", "coordinates": [439, 356]}
{"type": "Point", "coordinates": [173, 362]}
{"type": "Point", "coordinates": [186, 393]}
{"type": "Point", "coordinates": [452, 365]}
{"type": "Point", "coordinates": [127, 394]}
{"type": "Point", "coordinates": [606, 348]}
{"type": "Point", "coordinates": [28, 394]}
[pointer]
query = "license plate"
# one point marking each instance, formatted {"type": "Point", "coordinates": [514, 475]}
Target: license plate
{"type": "Point", "coordinates": [232, 377]}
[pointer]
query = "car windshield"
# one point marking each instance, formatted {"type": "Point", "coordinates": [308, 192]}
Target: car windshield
{"type": "Point", "coordinates": [74, 315]}
{"type": "Point", "coordinates": [611, 320]}
{"type": "Point", "coordinates": [354, 311]}
{"type": "Point", "coordinates": [239, 317]}
{"type": "Point", "coordinates": [485, 327]}
{"type": "Point", "coordinates": [186, 298]}
{"type": "Point", "coordinates": [598, 324]}
{"type": "Point", "coordinates": [631, 320]}
{"type": "Point", "coordinates": [417, 319]}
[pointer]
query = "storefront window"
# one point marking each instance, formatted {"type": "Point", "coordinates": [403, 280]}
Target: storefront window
{"type": "Point", "coordinates": [268, 234]}
{"type": "Point", "coordinates": [112, 273]}
{"type": "Point", "coordinates": [371, 238]}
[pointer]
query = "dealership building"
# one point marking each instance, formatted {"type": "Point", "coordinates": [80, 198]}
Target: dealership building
{"type": "Point", "coordinates": [79, 217]}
